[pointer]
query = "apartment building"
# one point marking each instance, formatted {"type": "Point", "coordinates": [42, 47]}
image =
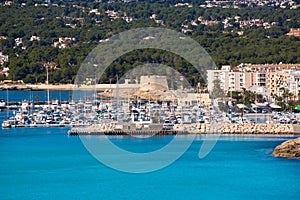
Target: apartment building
{"type": "Point", "coordinates": [230, 79]}
{"type": "Point", "coordinates": [271, 77]}
{"type": "Point", "coordinates": [222, 75]}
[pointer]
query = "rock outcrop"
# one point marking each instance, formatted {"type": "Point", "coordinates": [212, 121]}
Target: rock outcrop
{"type": "Point", "coordinates": [288, 149]}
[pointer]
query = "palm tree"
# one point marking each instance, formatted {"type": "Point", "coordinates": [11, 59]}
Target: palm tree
{"type": "Point", "coordinates": [217, 91]}
{"type": "Point", "coordinates": [284, 94]}
{"type": "Point", "coordinates": [291, 96]}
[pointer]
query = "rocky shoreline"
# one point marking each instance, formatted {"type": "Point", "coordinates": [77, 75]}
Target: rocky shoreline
{"type": "Point", "coordinates": [288, 149]}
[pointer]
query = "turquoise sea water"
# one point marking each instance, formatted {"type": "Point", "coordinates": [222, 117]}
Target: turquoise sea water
{"type": "Point", "coordinates": [45, 163]}
{"type": "Point", "coordinates": [62, 95]}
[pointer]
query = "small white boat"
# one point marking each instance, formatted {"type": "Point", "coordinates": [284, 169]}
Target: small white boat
{"type": "Point", "coordinates": [2, 104]}
{"type": "Point", "coordinates": [6, 124]}
{"type": "Point", "coordinates": [10, 123]}
{"type": "Point", "coordinates": [33, 124]}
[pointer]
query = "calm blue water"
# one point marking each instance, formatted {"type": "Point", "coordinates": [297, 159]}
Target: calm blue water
{"type": "Point", "coordinates": [41, 95]}
{"type": "Point", "coordinates": [44, 163]}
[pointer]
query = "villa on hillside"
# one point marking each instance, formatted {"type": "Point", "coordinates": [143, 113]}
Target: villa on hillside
{"type": "Point", "coordinates": [294, 32]}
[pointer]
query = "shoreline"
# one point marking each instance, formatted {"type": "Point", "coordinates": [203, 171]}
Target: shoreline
{"type": "Point", "coordinates": [36, 87]}
{"type": "Point", "coordinates": [159, 134]}
{"type": "Point", "coordinates": [84, 132]}
{"type": "Point", "coordinates": [65, 87]}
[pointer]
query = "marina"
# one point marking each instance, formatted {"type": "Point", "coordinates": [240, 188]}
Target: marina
{"type": "Point", "coordinates": [151, 107]}
{"type": "Point", "coordinates": [104, 117]}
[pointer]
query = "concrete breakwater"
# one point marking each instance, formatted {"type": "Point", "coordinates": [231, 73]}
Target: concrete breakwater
{"type": "Point", "coordinates": [113, 129]}
{"type": "Point", "coordinates": [259, 129]}
{"type": "Point", "coordinates": [274, 129]}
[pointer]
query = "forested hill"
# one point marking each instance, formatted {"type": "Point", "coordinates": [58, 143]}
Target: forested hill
{"type": "Point", "coordinates": [30, 32]}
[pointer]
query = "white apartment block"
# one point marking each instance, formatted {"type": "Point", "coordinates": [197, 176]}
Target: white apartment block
{"type": "Point", "coordinates": [222, 75]}
{"type": "Point", "coordinates": [290, 80]}
{"type": "Point", "coordinates": [231, 80]}
{"type": "Point", "coordinates": [271, 77]}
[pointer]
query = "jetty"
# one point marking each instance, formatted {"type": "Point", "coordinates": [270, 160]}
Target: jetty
{"type": "Point", "coordinates": [129, 129]}
{"type": "Point", "coordinates": [85, 131]}
{"type": "Point", "coordinates": [186, 129]}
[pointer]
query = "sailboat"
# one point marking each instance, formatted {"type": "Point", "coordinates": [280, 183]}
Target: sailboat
{"type": "Point", "coordinates": [2, 104]}
{"type": "Point", "coordinates": [48, 95]}
{"type": "Point", "coordinates": [10, 122]}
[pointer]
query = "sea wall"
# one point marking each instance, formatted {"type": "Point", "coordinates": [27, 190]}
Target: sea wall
{"type": "Point", "coordinates": [239, 129]}
{"type": "Point", "coordinates": [277, 129]}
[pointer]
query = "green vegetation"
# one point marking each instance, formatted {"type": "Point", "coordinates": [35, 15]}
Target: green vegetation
{"type": "Point", "coordinates": [245, 97]}
{"type": "Point", "coordinates": [72, 19]}
{"type": "Point", "coordinates": [287, 101]}
{"type": "Point", "coordinates": [217, 91]}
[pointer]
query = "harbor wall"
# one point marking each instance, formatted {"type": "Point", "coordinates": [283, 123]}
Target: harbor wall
{"type": "Point", "coordinates": [238, 129]}
{"type": "Point", "coordinates": [272, 129]}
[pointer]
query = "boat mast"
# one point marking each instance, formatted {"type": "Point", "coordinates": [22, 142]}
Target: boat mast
{"type": "Point", "coordinates": [48, 95]}
{"type": "Point", "coordinates": [117, 91]}
{"type": "Point", "coordinates": [7, 106]}
{"type": "Point", "coordinates": [117, 97]}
